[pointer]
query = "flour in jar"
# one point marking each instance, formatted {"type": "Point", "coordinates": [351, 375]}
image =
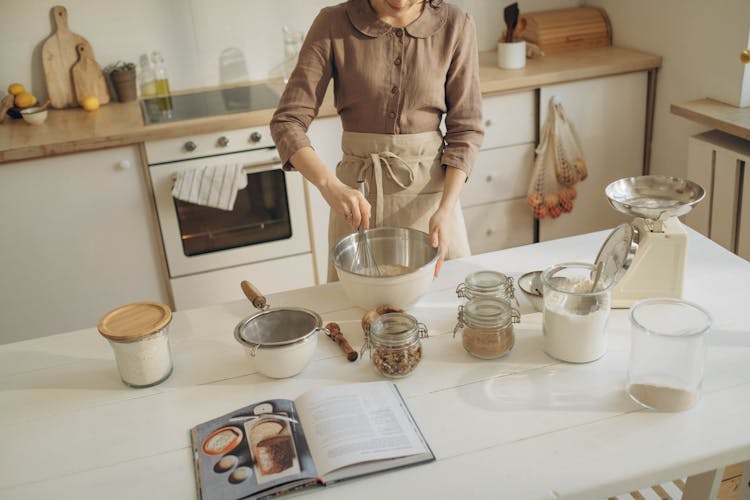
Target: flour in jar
{"type": "Point", "coordinates": [574, 324]}
{"type": "Point", "coordinates": [144, 362]}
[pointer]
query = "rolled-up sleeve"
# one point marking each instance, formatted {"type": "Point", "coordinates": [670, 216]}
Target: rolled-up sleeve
{"type": "Point", "coordinates": [463, 119]}
{"type": "Point", "coordinates": [302, 97]}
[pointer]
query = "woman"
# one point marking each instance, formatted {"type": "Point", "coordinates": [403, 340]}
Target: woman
{"type": "Point", "coordinates": [398, 66]}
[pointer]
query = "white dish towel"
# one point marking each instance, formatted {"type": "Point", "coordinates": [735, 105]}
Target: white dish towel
{"type": "Point", "coordinates": [214, 186]}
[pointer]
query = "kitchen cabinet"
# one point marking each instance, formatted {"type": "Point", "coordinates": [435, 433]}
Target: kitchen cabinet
{"type": "Point", "coordinates": [494, 198]}
{"type": "Point", "coordinates": [79, 238]}
{"type": "Point", "coordinates": [609, 114]}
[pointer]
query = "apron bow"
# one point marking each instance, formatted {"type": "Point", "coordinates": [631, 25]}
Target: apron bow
{"type": "Point", "coordinates": [395, 167]}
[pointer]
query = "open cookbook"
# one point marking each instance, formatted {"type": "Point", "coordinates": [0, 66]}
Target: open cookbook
{"type": "Point", "coordinates": [324, 436]}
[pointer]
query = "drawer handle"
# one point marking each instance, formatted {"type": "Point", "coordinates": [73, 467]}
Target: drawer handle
{"type": "Point", "coordinates": [190, 146]}
{"type": "Point", "coordinates": [489, 122]}
{"type": "Point", "coordinates": [488, 178]}
{"type": "Point", "coordinates": [488, 232]}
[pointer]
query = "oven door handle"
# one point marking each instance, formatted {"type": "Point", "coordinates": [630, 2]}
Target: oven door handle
{"type": "Point", "coordinates": [273, 164]}
{"type": "Point", "coordinates": [255, 167]}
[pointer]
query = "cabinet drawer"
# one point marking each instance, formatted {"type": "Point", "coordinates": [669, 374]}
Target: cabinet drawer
{"type": "Point", "coordinates": [495, 226]}
{"type": "Point", "coordinates": [509, 119]}
{"type": "Point", "coordinates": [500, 174]}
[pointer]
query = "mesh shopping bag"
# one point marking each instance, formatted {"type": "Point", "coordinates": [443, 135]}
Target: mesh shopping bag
{"type": "Point", "coordinates": [547, 196]}
{"type": "Point", "coordinates": [570, 167]}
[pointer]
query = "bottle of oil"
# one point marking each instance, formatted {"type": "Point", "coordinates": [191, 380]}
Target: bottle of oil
{"type": "Point", "coordinates": [146, 77]}
{"type": "Point", "coordinates": [161, 82]}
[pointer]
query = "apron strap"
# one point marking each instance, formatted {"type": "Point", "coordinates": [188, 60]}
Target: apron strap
{"type": "Point", "coordinates": [393, 166]}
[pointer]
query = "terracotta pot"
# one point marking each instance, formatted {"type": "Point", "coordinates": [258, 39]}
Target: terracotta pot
{"type": "Point", "coordinates": [124, 84]}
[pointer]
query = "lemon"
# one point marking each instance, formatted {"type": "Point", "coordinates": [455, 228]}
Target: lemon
{"type": "Point", "coordinates": [25, 100]}
{"type": "Point", "coordinates": [90, 103]}
{"type": "Point", "coordinates": [16, 88]}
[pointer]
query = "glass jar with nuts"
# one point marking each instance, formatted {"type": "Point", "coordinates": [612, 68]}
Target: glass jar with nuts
{"type": "Point", "coordinates": [486, 326]}
{"type": "Point", "coordinates": [395, 344]}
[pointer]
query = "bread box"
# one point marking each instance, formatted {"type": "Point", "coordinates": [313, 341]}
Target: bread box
{"type": "Point", "coordinates": [563, 30]}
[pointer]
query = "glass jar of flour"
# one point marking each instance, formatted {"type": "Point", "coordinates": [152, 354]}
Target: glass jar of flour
{"type": "Point", "coordinates": [138, 335]}
{"type": "Point", "coordinates": [576, 309]}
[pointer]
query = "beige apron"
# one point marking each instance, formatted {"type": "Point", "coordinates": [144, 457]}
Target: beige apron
{"type": "Point", "coordinates": [404, 182]}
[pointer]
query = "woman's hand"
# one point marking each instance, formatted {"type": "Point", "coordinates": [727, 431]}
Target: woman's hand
{"type": "Point", "coordinates": [440, 235]}
{"type": "Point", "coordinates": [347, 202]}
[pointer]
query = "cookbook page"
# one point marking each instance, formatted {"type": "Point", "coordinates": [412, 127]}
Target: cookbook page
{"type": "Point", "coordinates": [251, 451]}
{"type": "Point", "coordinates": [354, 423]}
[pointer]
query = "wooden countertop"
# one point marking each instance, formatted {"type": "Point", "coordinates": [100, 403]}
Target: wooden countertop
{"type": "Point", "coordinates": [120, 124]}
{"type": "Point", "coordinates": [716, 114]}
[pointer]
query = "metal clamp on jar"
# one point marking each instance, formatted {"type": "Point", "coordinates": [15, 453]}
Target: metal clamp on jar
{"type": "Point", "coordinates": [487, 327]}
{"type": "Point", "coordinates": [487, 284]}
{"type": "Point", "coordinates": [395, 345]}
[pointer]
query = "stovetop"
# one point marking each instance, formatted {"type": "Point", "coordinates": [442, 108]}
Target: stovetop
{"type": "Point", "coordinates": [208, 103]}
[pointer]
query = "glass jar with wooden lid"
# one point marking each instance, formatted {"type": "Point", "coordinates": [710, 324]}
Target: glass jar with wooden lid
{"type": "Point", "coordinates": [138, 335]}
{"type": "Point", "coordinates": [486, 325]}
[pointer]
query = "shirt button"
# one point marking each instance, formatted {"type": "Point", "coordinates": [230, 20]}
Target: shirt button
{"type": "Point", "coordinates": [392, 114]}
{"type": "Point", "coordinates": [399, 32]}
{"type": "Point", "coordinates": [394, 90]}
{"type": "Point", "coordinates": [397, 62]}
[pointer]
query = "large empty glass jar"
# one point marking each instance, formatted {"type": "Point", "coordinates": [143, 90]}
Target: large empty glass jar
{"type": "Point", "coordinates": [667, 355]}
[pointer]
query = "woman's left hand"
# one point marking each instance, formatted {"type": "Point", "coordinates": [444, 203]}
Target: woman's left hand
{"type": "Point", "coordinates": [440, 235]}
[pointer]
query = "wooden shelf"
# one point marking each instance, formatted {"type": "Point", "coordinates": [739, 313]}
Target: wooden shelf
{"type": "Point", "coordinates": [716, 114]}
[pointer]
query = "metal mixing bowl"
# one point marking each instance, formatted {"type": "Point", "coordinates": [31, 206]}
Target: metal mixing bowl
{"type": "Point", "coordinates": [396, 250]}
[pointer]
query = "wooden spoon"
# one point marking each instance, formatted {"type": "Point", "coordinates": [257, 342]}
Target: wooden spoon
{"type": "Point", "coordinates": [5, 104]}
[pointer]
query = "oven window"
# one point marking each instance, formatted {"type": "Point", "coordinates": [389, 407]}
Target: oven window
{"type": "Point", "coordinates": [261, 214]}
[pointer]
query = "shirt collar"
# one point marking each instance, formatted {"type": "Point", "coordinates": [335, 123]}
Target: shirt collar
{"type": "Point", "coordinates": [365, 19]}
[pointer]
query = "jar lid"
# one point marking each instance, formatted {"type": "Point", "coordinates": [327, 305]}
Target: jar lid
{"type": "Point", "coordinates": [134, 321]}
{"type": "Point", "coordinates": [617, 252]}
{"type": "Point", "coordinates": [487, 312]}
{"type": "Point", "coordinates": [395, 329]}
{"type": "Point", "coordinates": [486, 281]}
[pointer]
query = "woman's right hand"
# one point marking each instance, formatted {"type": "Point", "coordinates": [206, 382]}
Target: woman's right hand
{"type": "Point", "coordinates": [348, 202]}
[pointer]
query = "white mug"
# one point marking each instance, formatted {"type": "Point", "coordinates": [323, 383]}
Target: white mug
{"type": "Point", "coordinates": [511, 55]}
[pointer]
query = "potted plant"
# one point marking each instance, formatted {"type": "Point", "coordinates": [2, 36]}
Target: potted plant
{"type": "Point", "coordinates": [122, 77]}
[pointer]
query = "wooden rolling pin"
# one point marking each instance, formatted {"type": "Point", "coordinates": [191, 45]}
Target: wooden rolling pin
{"type": "Point", "coordinates": [334, 332]}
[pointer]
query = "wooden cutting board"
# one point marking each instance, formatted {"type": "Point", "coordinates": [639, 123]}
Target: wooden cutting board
{"type": "Point", "coordinates": [88, 79]}
{"type": "Point", "coordinates": [58, 57]}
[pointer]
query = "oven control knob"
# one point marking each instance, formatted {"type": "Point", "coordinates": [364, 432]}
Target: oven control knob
{"type": "Point", "coordinates": [255, 137]}
{"type": "Point", "coordinates": [190, 146]}
{"type": "Point", "coordinates": [223, 141]}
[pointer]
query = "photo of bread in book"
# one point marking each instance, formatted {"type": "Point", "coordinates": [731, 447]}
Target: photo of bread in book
{"type": "Point", "coordinates": [272, 448]}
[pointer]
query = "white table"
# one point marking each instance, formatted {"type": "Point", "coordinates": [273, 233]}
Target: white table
{"type": "Point", "coordinates": [522, 427]}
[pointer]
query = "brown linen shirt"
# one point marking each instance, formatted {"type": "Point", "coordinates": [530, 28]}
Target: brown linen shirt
{"type": "Point", "coordinates": [387, 80]}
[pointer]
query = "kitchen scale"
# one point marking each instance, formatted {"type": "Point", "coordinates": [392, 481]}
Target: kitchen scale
{"type": "Point", "coordinates": [646, 257]}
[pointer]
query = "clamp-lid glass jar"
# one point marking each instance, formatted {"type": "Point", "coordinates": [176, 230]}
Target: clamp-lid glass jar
{"type": "Point", "coordinates": [138, 335]}
{"type": "Point", "coordinates": [487, 283]}
{"type": "Point", "coordinates": [395, 345]}
{"type": "Point", "coordinates": [486, 326]}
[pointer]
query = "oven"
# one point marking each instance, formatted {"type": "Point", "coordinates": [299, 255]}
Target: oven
{"type": "Point", "coordinates": [265, 238]}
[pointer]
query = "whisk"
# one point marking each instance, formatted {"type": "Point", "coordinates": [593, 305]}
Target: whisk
{"type": "Point", "coordinates": [364, 262]}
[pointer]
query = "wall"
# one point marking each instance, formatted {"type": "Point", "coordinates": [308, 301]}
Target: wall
{"type": "Point", "coordinates": [700, 43]}
{"type": "Point", "coordinates": [196, 37]}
